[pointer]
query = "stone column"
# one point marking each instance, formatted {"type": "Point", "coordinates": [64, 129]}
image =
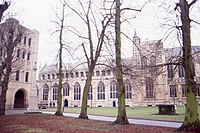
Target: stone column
{"type": "Point", "coordinates": [33, 100]}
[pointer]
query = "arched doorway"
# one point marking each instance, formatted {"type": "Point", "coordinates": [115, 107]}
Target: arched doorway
{"type": "Point", "coordinates": [114, 104]}
{"type": "Point", "coordinates": [66, 103]}
{"type": "Point", "coordinates": [19, 101]}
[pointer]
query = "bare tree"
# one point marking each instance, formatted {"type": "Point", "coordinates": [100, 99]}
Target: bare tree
{"type": "Point", "coordinates": [191, 120]}
{"type": "Point", "coordinates": [11, 33]}
{"type": "Point", "coordinates": [60, 53]}
{"type": "Point", "coordinates": [90, 21]}
{"type": "Point", "coordinates": [121, 117]}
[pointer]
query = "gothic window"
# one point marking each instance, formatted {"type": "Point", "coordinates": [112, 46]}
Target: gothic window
{"type": "Point", "coordinates": [128, 89]}
{"type": "Point", "coordinates": [57, 75]}
{"type": "Point", "coordinates": [28, 56]}
{"type": "Point", "coordinates": [86, 73]}
{"type": "Point", "coordinates": [48, 76]}
{"type": "Point", "coordinates": [108, 72]}
{"type": "Point", "coordinates": [180, 71]}
{"type": "Point", "coordinates": [153, 61]}
{"type": "Point", "coordinates": [45, 92]}
{"type": "Point", "coordinates": [173, 92]}
{"type": "Point", "coordinates": [144, 63]}
{"type": "Point", "coordinates": [82, 74]}
{"type": "Point", "coordinates": [103, 73]}
{"type": "Point", "coordinates": [29, 42]}
{"type": "Point", "coordinates": [55, 92]}
{"type": "Point", "coordinates": [53, 76]}
{"type": "Point", "coordinates": [26, 76]}
{"type": "Point", "coordinates": [183, 90]}
{"type": "Point", "coordinates": [23, 54]}
{"type": "Point", "coordinates": [90, 93]}
{"type": "Point", "coordinates": [101, 91]}
{"type": "Point", "coordinates": [67, 75]}
{"type": "Point", "coordinates": [72, 75]}
{"type": "Point", "coordinates": [113, 71]}
{"type": "Point", "coordinates": [18, 53]}
{"type": "Point", "coordinates": [77, 91]}
{"type": "Point", "coordinates": [149, 88]}
{"type": "Point", "coordinates": [24, 40]}
{"type": "Point", "coordinates": [77, 74]}
{"type": "Point", "coordinates": [97, 73]}
{"type": "Point", "coordinates": [17, 75]}
{"type": "Point", "coordinates": [43, 77]}
{"type": "Point", "coordinates": [170, 72]}
{"type": "Point", "coordinates": [66, 89]}
{"type": "Point", "coordinates": [113, 90]}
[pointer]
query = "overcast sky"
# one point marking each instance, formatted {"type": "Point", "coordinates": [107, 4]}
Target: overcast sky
{"type": "Point", "coordinates": [38, 14]}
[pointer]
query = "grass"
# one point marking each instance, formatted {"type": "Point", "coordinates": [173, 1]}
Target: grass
{"type": "Point", "coordinates": [149, 112]}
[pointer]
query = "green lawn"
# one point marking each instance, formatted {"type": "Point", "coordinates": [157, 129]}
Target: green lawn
{"type": "Point", "coordinates": [137, 112]}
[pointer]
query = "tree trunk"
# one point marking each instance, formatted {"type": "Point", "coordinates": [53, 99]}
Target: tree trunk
{"type": "Point", "coordinates": [121, 117]}
{"type": "Point", "coordinates": [191, 120]}
{"type": "Point", "coordinates": [3, 103]}
{"type": "Point", "coordinates": [59, 101]}
{"type": "Point", "coordinates": [83, 114]}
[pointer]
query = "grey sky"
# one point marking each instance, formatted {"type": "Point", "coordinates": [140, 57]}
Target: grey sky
{"type": "Point", "coordinates": [38, 14]}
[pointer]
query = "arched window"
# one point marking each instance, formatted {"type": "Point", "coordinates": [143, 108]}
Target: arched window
{"type": "Point", "coordinates": [113, 90]}
{"type": "Point", "coordinates": [23, 54]}
{"type": "Point", "coordinates": [29, 42]}
{"type": "Point", "coordinates": [28, 56]}
{"type": "Point", "coordinates": [65, 89]}
{"type": "Point", "coordinates": [143, 63]}
{"type": "Point", "coordinates": [103, 73]}
{"type": "Point", "coordinates": [17, 75]}
{"type": "Point", "coordinates": [53, 76]}
{"type": "Point", "coordinates": [181, 71]}
{"type": "Point", "coordinates": [173, 92]}
{"type": "Point", "coordinates": [48, 76]}
{"type": "Point", "coordinates": [55, 92]}
{"type": "Point", "coordinates": [108, 72]}
{"type": "Point", "coordinates": [153, 63]}
{"type": "Point", "coordinates": [149, 88]}
{"type": "Point", "coordinates": [24, 40]}
{"type": "Point", "coordinates": [77, 91]}
{"type": "Point", "coordinates": [26, 76]}
{"type": "Point", "coordinates": [90, 93]}
{"type": "Point", "coordinates": [18, 53]}
{"type": "Point", "coordinates": [170, 71]}
{"type": "Point", "coordinates": [45, 92]}
{"type": "Point", "coordinates": [67, 75]}
{"type": "Point", "coordinates": [82, 74]}
{"type": "Point", "coordinates": [152, 60]}
{"type": "Point", "coordinates": [101, 91]}
{"type": "Point", "coordinates": [72, 75]}
{"type": "Point", "coordinates": [43, 77]}
{"type": "Point", "coordinates": [128, 89]}
{"type": "Point", "coordinates": [86, 73]}
{"type": "Point", "coordinates": [77, 74]}
{"type": "Point", "coordinates": [97, 73]}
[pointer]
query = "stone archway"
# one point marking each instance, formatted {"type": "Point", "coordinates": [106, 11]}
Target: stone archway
{"type": "Point", "coordinates": [19, 101]}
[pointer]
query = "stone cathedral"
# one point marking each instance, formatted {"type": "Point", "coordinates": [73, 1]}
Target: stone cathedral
{"type": "Point", "coordinates": [150, 79]}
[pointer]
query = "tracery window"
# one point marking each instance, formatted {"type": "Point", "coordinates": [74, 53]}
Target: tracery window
{"type": "Point", "coordinates": [45, 92]}
{"type": "Point", "coordinates": [101, 91]}
{"type": "Point", "coordinates": [55, 92]}
{"type": "Point", "coordinates": [77, 91]}
{"type": "Point", "coordinates": [143, 63]}
{"type": "Point", "coordinates": [113, 90]}
{"type": "Point", "coordinates": [128, 89]}
{"type": "Point", "coordinates": [65, 89]}
{"type": "Point", "coordinates": [149, 88]}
